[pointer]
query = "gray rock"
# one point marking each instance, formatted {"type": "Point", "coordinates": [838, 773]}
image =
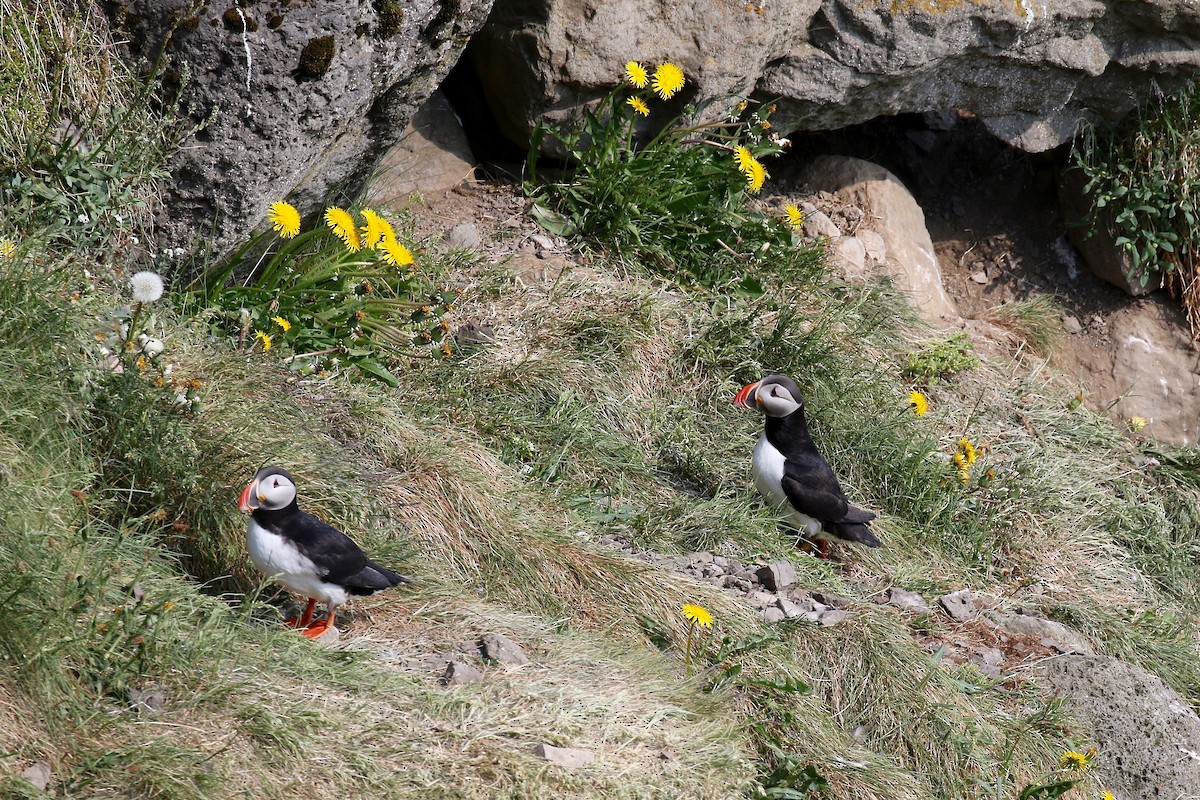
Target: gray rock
{"type": "Point", "coordinates": [1071, 323]}
{"type": "Point", "coordinates": [773, 614]}
{"type": "Point", "coordinates": [433, 155]}
{"type": "Point", "coordinates": [1104, 257]}
{"type": "Point", "coordinates": [699, 559]}
{"type": "Point", "coordinates": [873, 244]}
{"type": "Point", "coordinates": [832, 600]}
{"type": "Point", "coordinates": [817, 223]}
{"type": "Point", "coordinates": [907, 601]}
{"type": "Point", "coordinates": [789, 608]}
{"type": "Point", "coordinates": [1156, 371]}
{"type": "Point", "coordinates": [501, 649]}
{"type": "Point", "coordinates": [147, 699]}
{"type": "Point", "coordinates": [464, 236]}
{"type": "Point", "coordinates": [761, 599]}
{"type": "Point", "coordinates": [471, 332]}
{"type": "Point", "coordinates": [460, 673]}
{"type": "Point", "coordinates": [897, 218]}
{"type": "Point", "coordinates": [777, 576]}
{"type": "Point", "coordinates": [37, 773]}
{"type": "Point", "coordinates": [569, 757]}
{"type": "Point", "coordinates": [830, 618]}
{"type": "Point", "coordinates": [959, 605]}
{"type": "Point", "coordinates": [849, 256]}
{"type": "Point", "coordinates": [1031, 74]}
{"type": "Point", "coordinates": [300, 98]}
{"type": "Point", "coordinates": [980, 277]}
{"type": "Point", "coordinates": [1148, 735]}
{"type": "Point", "coordinates": [1048, 632]}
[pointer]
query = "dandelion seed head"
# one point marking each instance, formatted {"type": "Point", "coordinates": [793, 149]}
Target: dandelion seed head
{"type": "Point", "coordinates": [146, 286]}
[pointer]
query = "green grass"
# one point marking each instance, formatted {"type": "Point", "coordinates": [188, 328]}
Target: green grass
{"type": "Point", "coordinates": [603, 407]}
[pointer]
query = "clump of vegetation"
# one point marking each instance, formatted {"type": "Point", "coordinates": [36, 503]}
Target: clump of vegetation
{"type": "Point", "coordinates": [940, 358]}
{"type": "Point", "coordinates": [1141, 180]}
{"type": "Point", "coordinates": [338, 295]}
{"type": "Point", "coordinates": [675, 201]}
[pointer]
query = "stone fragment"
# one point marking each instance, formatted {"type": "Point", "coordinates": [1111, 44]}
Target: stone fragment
{"type": "Point", "coordinates": [501, 649]}
{"type": "Point", "coordinates": [873, 244]}
{"type": "Point", "coordinates": [817, 223]}
{"type": "Point", "coordinates": [789, 608]}
{"type": "Point", "coordinates": [1071, 323]}
{"type": "Point", "coordinates": [569, 757]}
{"type": "Point", "coordinates": [761, 599]}
{"type": "Point", "coordinates": [959, 605]}
{"type": "Point", "coordinates": [471, 332]}
{"type": "Point", "coordinates": [38, 773]}
{"type": "Point", "coordinates": [832, 600]}
{"type": "Point", "coordinates": [777, 576]}
{"type": "Point", "coordinates": [464, 236]}
{"type": "Point", "coordinates": [980, 277]}
{"type": "Point", "coordinates": [907, 601]}
{"type": "Point", "coordinates": [147, 699]}
{"type": "Point", "coordinates": [833, 617]}
{"type": "Point", "coordinates": [773, 614]}
{"type": "Point", "coordinates": [1057, 635]}
{"type": "Point", "coordinates": [460, 673]}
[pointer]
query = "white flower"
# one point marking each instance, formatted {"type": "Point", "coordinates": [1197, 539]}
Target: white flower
{"type": "Point", "coordinates": [151, 346]}
{"type": "Point", "coordinates": [147, 286]}
{"type": "Point", "coordinates": [83, 219]}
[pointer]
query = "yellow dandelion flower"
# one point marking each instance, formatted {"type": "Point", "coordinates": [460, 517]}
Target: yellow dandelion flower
{"type": "Point", "coordinates": [377, 230]}
{"type": "Point", "coordinates": [756, 176]}
{"type": "Point", "coordinates": [1073, 760]}
{"type": "Point", "coordinates": [1136, 423]}
{"type": "Point", "coordinates": [1107, 796]}
{"type": "Point", "coordinates": [283, 323]}
{"type": "Point", "coordinates": [284, 219]}
{"type": "Point", "coordinates": [967, 449]}
{"type": "Point", "coordinates": [668, 79]}
{"type": "Point", "coordinates": [919, 403]}
{"type": "Point", "coordinates": [636, 74]}
{"type": "Point", "coordinates": [8, 248]}
{"type": "Point", "coordinates": [638, 105]}
{"type": "Point", "coordinates": [744, 158]}
{"type": "Point", "coordinates": [795, 218]}
{"type": "Point", "coordinates": [395, 253]}
{"type": "Point", "coordinates": [698, 615]}
{"type": "Point", "coordinates": [265, 338]}
{"type": "Point", "coordinates": [343, 227]}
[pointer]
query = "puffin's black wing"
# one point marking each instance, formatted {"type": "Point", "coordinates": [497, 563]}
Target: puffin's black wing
{"type": "Point", "coordinates": [813, 489]}
{"type": "Point", "coordinates": [337, 558]}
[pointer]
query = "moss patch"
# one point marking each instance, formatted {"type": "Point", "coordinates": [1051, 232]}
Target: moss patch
{"type": "Point", "coordinates": [316, 56]}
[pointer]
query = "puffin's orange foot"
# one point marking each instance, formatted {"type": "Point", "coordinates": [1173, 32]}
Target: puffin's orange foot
{"type": "Point", "coordinates": [316, 629]}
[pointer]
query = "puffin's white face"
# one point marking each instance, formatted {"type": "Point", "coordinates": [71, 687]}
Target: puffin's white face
{"type": "Point", "coordinates": [776, 399]}
{"type": "Point", "coordinates": [275, 492]}
{"type": "Point", "coordinates": [271, 490]}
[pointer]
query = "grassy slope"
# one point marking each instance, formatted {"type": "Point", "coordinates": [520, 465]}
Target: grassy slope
{"type": "Point", "coordinates": [604, 406]}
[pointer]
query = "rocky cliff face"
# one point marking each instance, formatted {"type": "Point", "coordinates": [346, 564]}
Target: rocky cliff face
{"type": "Point", "coordinates": [294, 99]}
{"type": "Point", "coordinates": [1031, 69]}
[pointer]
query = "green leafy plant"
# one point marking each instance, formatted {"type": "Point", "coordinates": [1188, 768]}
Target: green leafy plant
{"type": "Point", "coordinates": [940, 358]}
{"type": "Point", "coordinates": [337, 295]}
{"type": "Point", "coordinates": [674, 201]}
{"type": "Point", "coordinates": [1142, 182]}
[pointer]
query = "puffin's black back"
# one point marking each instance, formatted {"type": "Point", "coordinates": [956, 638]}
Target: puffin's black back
{"type": "Point", "coordinates": [335, 555]}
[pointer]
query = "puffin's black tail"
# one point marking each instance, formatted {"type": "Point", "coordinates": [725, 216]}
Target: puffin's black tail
{"type": "Point", "coordinates": [854, 527]}
{"type": "Point", "coordinates": [374, 577]}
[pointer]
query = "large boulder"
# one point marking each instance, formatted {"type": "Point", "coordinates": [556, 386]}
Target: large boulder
{"type": "Point", "coordinates": [1148, 737]}
{"type": "Point", "coordinates": [1031, 71]}
{"type": "Point", "coordinates": [297, 100]}
{"type": "Point", "coordinates": [893, 213]}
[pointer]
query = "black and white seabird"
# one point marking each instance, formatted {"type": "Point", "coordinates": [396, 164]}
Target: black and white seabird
{"type": "Point", "coordinates": [791, 473]}
{"type": "Point", "coordinates": [308, 556]}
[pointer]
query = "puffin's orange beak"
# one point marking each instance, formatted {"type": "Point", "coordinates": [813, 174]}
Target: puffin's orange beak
{"type": "Point", "coordinates": [248, 501]}
{"type": "Point", "coordinates": [746, 395]}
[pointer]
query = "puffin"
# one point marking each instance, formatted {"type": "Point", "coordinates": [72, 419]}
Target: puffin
{"type": "Point", "coordinates": [792, 474]}
{"type": "Point", "coordinates": [310, 557]}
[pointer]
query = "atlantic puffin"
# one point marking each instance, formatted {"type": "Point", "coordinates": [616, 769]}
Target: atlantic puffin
{"type": "Point", "coordinates": [792, 474]}
{"type": "Point", "coordinates": [308, 556]}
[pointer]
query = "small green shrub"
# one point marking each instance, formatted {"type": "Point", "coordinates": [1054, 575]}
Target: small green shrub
{"type": "Point", "coordinates": [1143, 181]}
{"type": "Point", "coordinates": [336, 295]}
{"type": "Point", "coordinates": [674, 202]}
{"type": "Point", "coordinates": [941, 358]}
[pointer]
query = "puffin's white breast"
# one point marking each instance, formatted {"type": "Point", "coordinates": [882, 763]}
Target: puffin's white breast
{"type": "Point", "coordinates": [767, 468]}
{"type": "Point", "coordinates": [276, 557]}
